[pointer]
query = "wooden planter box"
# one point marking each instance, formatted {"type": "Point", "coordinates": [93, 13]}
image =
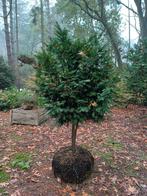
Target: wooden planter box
{"type": "Point", "coordinates": [28, 117]}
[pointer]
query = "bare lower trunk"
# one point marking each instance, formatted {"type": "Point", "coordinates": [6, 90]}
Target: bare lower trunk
{"type": "Point", "coordinates": [49, 19]}
{"type": "Point", "coordinates": [7, 33]}
{"type": "Point", "coordinates": [42, 23]}
{"type": "Point", "coordinates": [16, 28]}
{"type": "Point", "coordinates": [144, 30]}
{"type": "Point", "coordinates": [142, 14]}
{"type": "Point", "coordinates": [12, 41]}
{"type": "Point", "coordinates": [74, 135]}
{"type": "Point", "coordinates": [114, 45]}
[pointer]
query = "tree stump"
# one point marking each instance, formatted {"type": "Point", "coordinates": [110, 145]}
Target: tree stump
{"type": "Point", "coordinates": [72, 167]}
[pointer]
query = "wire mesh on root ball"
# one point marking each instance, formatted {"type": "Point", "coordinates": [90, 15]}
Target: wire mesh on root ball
{"type": "Point", "coordinates": [72, 167]}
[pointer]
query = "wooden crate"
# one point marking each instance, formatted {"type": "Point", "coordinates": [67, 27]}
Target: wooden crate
{"type": "Point", "coordinates": [28, 117]}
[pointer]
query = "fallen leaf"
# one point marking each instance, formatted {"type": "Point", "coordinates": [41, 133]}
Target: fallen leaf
{"type": "Point", "coordinates": [84, 193]}
{"type": "Point", "coordinates": [132, 190]}
{"type": "Point", "coordinates": [16, 193]}
{"type": "Point", "coordinates": [72, 194]}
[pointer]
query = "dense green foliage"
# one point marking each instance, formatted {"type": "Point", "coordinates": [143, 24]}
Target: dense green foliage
{"type": "Point", "coordinates": [5, 75]}
{"type": "Point", "coordinates": [74, 77]}
{"type": "Point", "coordinates": [21, 161]}
{"type": "Point", "coordinates": [137, 77]}
{"type": "Point", "coordinates": [13, 98]}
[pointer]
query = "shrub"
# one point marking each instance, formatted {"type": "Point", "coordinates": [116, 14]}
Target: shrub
{"type": "Point", "coordinates": [13, 98]}
{"type": "Point", "coordinates": [122, 96]}
{"type": "Point", "coordinates": [5, 75]}
{"type": "Point", "coordinates": [137, 73]}
{"type": "Point", "coordinates": [75, 78]}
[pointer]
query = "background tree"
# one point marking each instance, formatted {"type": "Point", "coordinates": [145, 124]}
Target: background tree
{"type": "Point", "coordinates": [141, 6]}
{"type": "Point", "coordinates": [7, 32]}
{"type": "Point", "coordinates": [137, 78]}
{"type": "Point", "coordinates": [77, 22]}
{"type": "Point", "coordinates": [5, 75]}
{"type": "Point", "coordinates": [42, 22]}
{"type": "Point", "coordinates": [99, 12]}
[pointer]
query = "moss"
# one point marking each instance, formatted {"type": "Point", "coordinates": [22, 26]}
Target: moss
{"type": "Point", "coordinates": [3, 192]}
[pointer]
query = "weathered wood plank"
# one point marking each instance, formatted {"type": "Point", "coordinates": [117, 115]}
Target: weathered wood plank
{"type": "Point", "coordinates": [28, 117]}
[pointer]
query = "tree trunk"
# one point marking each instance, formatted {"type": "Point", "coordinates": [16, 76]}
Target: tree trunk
{"type": "Point", "coordinates": [49, 19]}
{"type": "Point", "coordinates": [17, 75]}
{"type": "Point", "coordinates": [144, 29]}
{"type": "Point", "coordinates": [16, 28]}
{"type": "Point", "coordinates": [142, 14]}
{"type": "Point", "coordinates": [74, 135]}
{"type": "Point", "coordinates": [42, 23]}
{"type": "Point", "coordinates": [12, 40]}
{"type": "Point", "coordinates": [114, 44]}
{"type": "Point", "coordinates": [7, 33]}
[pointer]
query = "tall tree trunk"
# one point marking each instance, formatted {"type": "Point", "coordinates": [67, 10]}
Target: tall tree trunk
{"type": "Point", "coordinates": [144, 29]}
{"type": "Point", "coordinates": [114, 44]}
{"type": "Point", "coordinates": [74, 135]}
{"type": "Point", "coordinates": [17, 75]}
{"type": "Point", "coordinates": [12, 38]}
{"type": "Point", "coordinates": [7, 33]}
{"type": "Point", "coordinates": [142, 14]}
{"type": "Point", "coordinates": [16, 28]}
{"type": "Point", "coordinates": [49, 19]}
{"type": "Point", "coordinates": [42, 23]}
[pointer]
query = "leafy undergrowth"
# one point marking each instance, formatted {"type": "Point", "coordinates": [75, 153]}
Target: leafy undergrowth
{"type": "Point", "coordinates": [21, 161]}
{"type": "Point", "coordinates": [4, 177]}
{"type": "Point", "coordinates": [118, 145]}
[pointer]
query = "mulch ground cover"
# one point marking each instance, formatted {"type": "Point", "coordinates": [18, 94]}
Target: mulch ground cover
{"type": "Point", "coordinates": [118, 144]}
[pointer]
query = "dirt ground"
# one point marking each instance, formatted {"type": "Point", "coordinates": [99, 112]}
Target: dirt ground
{"type": "Point", "coordinates": [118, 144]}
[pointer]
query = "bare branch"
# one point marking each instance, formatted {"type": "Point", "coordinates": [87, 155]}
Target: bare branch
{"type": "Point", "coordinates": [9, 11]}
{"type": "Point", "coordinates": [145, 1]}
{"type": "Point", "coordinates": [88, 10]}
{"type": "Point", "coordinates": [119, 2]}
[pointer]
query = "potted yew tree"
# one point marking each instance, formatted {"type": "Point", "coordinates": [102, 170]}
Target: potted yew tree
{"type": "Point", "coordinates": [74, 78]}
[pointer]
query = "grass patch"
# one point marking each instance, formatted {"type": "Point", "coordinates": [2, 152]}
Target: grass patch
{"type": "Point", "coordinates": [16, 137]}
{"type": "Point", "coordinates": [111, 143]}
{"type": "Point", "coordinates": [130, 171]}
{"type": "Point", "coordinates": [21, 161]}
{"type": "Point", "coordinates": [107, 157]}
{"type": "Point", "coordinates": [3, 192]}
{"type": "Point", "coordinates": [143, 156]}
{"type": "Point", "coordinates": [4, 177]}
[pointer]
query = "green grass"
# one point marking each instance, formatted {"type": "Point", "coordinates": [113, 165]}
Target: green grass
{"type": "Point", "coordinates": [4, 177]}
{"type": "Point", "coordinates": [107, 157]}
{"type": "Point", "coordinates": [115, 145]}
{"type": "Point", "coordinates": [21, 161]}
{"type": "Point", "coordinates": [3, 192]}
{"type": "Point", "coordinates": [143, 156]}
{"type": "Point", "coordinates": [16, 137]}
{"type": "Point", "coordinates": [130, 171]}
